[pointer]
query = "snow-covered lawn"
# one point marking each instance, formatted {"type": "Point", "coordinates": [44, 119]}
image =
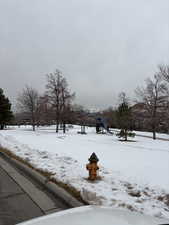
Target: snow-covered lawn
{"type": "Point", "coordinates": [134, 175]}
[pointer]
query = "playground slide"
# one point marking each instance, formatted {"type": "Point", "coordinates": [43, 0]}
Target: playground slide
{"type": "Point", "coordinates": [101, 123]}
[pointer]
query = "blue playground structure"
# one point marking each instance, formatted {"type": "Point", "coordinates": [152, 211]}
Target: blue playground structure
{"type": "Point", "coordinates": [101, 125]}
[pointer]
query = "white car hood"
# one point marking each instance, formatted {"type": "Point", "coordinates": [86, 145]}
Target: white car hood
{"type": "Point", "coordinates": [95, 215]}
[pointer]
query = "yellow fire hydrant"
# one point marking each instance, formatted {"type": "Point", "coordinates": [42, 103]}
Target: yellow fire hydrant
{"type": "Point", "coordinates": [92, 167]}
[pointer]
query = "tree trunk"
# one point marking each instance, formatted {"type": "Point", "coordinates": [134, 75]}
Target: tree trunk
{"type": "Point", "coordinates": [33, 126]}
{"type": "Point", "coordinates": [33, 121]}
{"type": "Point", "coordinates": [64, 128]}
{"type": "Point", "coordinates": [1, 126]}
{"type": "Point", "coordinates": [154, 128]}
{"type": "Point", "coordinates": [125, 134]}
{"type": "Point", "coordinates": [154, 134]}
{"type": "Point", "coordinates": [57, 127]}
{"type": "Point", "coordinates": [57, 121]}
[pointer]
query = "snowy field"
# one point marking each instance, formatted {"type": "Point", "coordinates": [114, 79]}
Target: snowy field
{"type": "Point", "coordinates": [134, 175]}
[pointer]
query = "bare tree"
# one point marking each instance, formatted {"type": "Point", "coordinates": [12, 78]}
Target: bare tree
{"type": "Point", "coordinates": [123, 98]}
{"type": "Point", "coordinates": [44, 111]}
{"type": "Point", "coordinates": [59, 96]}
{"type": "Point", "coordinates": [152, 96]}
{"type": "Point", "coordinates": [164, 72]}
{"type": "Point", "coordinates": [28, 101]}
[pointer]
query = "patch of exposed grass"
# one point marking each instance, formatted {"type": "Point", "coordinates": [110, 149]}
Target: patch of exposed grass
{"type": "Point", "coordinates": [135, 193]}
{"type": "Point", "coordinates": [98, 178]}
{"type": "Point", "coordinates": [127, 140]}
{"type": "Point", "coordinates": [127, 206]}
{"type": "Point", "coordinates": [164, 198]}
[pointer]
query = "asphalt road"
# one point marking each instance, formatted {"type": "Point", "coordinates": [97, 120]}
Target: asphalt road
{"type": "Point", "coordinates": [21, 198]}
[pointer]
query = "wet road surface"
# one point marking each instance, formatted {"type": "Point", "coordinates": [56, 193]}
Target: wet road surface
{"type": "Point", "coordinates": [21, 198]}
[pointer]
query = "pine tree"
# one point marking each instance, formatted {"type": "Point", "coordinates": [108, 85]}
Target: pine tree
{"type": "Point", "coordinates": [5, 110]}
{"type": "Point", "coordinates": [124, 120]}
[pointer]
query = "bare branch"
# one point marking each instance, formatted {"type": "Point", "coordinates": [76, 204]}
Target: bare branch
{"type": "Point", "coordinates": [28, 101]}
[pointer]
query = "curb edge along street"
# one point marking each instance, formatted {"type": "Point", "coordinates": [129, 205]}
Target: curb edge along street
{"type": "Point", "coordinates": [52, 187]}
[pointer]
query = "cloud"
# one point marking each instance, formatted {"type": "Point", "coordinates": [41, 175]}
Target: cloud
{"type": "Point", "coordinates": [102, 47]}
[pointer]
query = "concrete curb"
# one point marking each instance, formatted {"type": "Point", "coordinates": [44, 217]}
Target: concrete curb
{"type": "Point", "coordinates": [52, 187]}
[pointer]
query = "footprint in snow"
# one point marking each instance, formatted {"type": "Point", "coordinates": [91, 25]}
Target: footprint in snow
{"type": "Point", "coordinates": [61, 137]}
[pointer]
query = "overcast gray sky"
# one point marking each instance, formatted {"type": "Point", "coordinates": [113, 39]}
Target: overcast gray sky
{"type": "Point", "coordinates": [103, 47]}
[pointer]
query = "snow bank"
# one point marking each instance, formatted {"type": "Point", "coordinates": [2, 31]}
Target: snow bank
{"type": "Point", "coordinates": [133, 175]}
